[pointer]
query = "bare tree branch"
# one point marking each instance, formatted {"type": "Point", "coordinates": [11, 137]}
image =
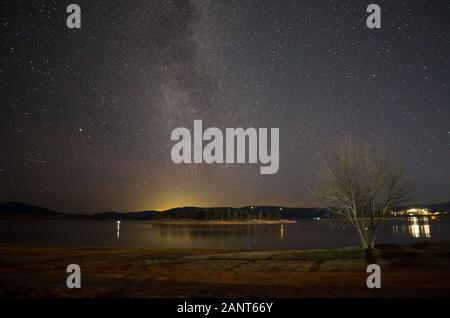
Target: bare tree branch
{"type": "Point", "coordinates": [361, 183]}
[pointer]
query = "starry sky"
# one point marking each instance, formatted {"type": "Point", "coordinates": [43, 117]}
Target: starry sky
{"type": "Point", "coordinates": [87, 114]}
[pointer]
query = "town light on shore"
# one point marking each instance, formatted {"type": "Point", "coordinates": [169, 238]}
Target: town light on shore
{"type": "Point", "coordinates": [416, 212]}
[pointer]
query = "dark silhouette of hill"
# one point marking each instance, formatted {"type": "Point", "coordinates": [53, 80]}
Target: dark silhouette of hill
{"type": "Point", "coordinates": [437, 207]}
{"type": "Point", "coordinates": [141, 215]}
{"type": "Point", "coordinates": [441, 207]}
{"type": "Point", "coordinates": [19, 210]}
{"type": "Point", "coordinates": [294, 213]}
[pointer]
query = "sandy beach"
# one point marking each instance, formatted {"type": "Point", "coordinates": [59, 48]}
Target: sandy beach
{"type": "Point", "coordinates": [418, 270]}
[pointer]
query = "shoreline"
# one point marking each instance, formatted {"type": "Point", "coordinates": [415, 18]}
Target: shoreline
{"type": "Point", "coordinates": [163, 221]}
{"type": "Point", "coordinates": [39, 271]}
{"type": "Point", "coordinates": [216, 222]}
{"type": "Point", "coordinates": [212, 222]}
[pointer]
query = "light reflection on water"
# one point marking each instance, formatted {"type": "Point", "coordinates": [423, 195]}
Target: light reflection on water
{"type": "Point", "coordinates": [281, 231]}
{"type": "Point", "coordinates": [323, 233]}
{"type": "Point", "coordinates": [416, 227]}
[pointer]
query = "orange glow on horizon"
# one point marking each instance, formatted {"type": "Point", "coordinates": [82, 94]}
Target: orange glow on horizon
{"type": "Point", "coordinates": [175, 199]}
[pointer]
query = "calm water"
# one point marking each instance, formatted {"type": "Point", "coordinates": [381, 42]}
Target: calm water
{"type": "Point", "coordinates": [307, 234]}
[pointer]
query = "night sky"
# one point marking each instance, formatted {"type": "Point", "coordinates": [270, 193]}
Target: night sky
{"type": "Point", "coordinates": [87, 114]}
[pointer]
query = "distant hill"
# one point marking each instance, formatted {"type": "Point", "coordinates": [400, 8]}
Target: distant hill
{"type": "Point", "coordinates": [142, 215]}
{"type": "Point", "coordinates": [19, 210]}
{"type": "Point", "coordinates": [436, 207]}
{"type": "Point", "coordinates": [294, 213]}
{"type": "Point", "coordinates": [218, 213]}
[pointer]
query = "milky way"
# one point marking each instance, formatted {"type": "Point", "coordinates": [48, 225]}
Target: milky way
{"type": "Point", "coordinates": [87, 114]}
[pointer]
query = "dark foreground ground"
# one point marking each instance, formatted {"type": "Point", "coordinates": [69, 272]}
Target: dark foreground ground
{"type": "Point", "coordinates": [419, 270]}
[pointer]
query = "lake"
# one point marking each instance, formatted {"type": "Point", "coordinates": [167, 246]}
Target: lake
{"type": "Point", "coordinates": [305, 234]}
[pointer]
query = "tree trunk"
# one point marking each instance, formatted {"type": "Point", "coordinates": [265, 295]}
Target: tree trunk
{"type": "Point", "coordinates": [373, 236]}
{"type": "Point", "coordinates": [370, 256]}
{"type": "Point", "coordinates": [372, 241]}
{"type": "Point", "coordinates": [362, 237]}
{"type": "Point", "coordinates": [367, 243]}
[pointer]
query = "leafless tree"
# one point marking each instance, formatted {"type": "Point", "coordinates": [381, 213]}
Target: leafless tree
{"type": "Point", "coordinates": [361, 183]}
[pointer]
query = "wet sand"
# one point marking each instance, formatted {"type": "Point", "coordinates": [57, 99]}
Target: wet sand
{"type": "Point", "coordinates": [419, 270]}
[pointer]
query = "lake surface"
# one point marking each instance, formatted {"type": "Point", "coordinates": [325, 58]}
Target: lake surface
{"type": "Point", "coordinates": [305, 234]}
